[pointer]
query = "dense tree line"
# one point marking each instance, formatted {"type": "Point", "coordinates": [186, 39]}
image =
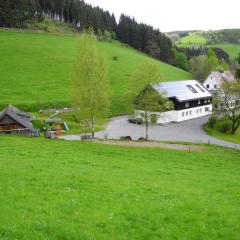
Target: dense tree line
{"type": "Point", "coordinates": [222, 36]}
{"type": "Point", "coordinates": [198, 51]}
{"type": "Point", "coordinates": [145, 38]}
{"type": "Point", "coordinates": [18, 13]}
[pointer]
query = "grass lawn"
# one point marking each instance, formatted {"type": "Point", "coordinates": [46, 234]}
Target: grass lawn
{"type": "Point", "coordinates": [224, 136]}
{"type": "Point", "coordinates": [192, 39]}
{"type": "Point", "coordinates": [73, 190]}
{"type": "Point", "coordinates": [35, 69]}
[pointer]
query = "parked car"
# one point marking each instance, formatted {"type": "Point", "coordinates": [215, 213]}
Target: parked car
{"type": "Point", "coordinates": [135, 120]}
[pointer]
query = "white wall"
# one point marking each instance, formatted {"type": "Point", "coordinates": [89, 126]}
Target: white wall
{"type": "Point", "coordinates": [178, 116]}
{"type": "Point", "coordinates": [211, 81]}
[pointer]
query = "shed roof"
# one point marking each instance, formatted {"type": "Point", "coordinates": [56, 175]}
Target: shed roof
{"type": "Point", "coordinates": [183, 90]}
{"type": "Point", "coordinates": [21, 117]}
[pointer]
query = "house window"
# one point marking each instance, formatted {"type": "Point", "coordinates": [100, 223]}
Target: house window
{"type": "Point", "coordinates": [208, 86]}
{"type": "Point", "coordinates": [187, 104]}
{"type": "Point", "coordinates": [186, 114]}
{"type": "Point", "coordinates": [205, 100]}
{"type": "Point", "coordinates": [215, 86]}
{"type": "Point", "coordinates": [190, 113]}
{"type": "Point", "coordinates": [183, 114]}
{"type": "Point", "coordinates": [197, 111]}
{"type": "Point", "coordinates": [206, 109]}
{"type": "Point", "coordinates": [200, 110]}
{"type": "Point", "coordinates": [199, 102]}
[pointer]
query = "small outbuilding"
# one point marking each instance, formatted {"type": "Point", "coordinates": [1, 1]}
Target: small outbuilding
{"type": "Point", "coordinates": [13, 120]}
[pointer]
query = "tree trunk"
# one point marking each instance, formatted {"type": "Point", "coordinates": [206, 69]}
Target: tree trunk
{"type": "Point", "coordinates": [146, 123]}
{"type": "Point", "coordinates": [93, 127]}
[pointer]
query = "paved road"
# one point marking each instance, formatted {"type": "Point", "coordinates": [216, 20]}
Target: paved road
{"type": "Point", "coordinates": [187, 131]}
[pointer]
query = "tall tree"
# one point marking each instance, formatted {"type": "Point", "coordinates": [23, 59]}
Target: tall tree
{"type": "Point", "coordinates": [212, 60]}
{"type": "Point", "coordinates": [230, 98]}
{"type": "Point", "coordinates": [146, 98]}
{"type": "Point", "coordinates": [90, 87]}
{"type": "Point", "coordinates": [199, 67]}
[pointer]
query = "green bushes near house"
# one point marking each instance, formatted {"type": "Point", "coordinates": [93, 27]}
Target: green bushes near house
{"type": "Point", "coordinates": [222, 125]}
{"type": "Point", "coordinates": [221, 128]}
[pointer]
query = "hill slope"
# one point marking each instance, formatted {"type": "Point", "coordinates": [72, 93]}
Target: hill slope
{"type": "Point", "coordinates": [34, 69]}
{"type": "Point", "coordinates": [200, 39]}
{"type": "Point", "coordinates": [93, 191]}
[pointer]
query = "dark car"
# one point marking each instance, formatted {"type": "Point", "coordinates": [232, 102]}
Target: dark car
{"type": "Point", "coordinates": [135, 120]}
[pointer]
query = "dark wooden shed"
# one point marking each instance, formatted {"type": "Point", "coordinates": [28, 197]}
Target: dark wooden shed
{"type": "Point", "coordinates": [12, 120]}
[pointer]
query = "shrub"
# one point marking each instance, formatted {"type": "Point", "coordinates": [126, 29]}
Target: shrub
{"type": "Point", "coordinates": [224, 126]}
{"type": "Point", "coordinates": [115, 58]}
{"type": "Point", "coordinates": [212, 121]}
{"type": "Point", "coordinates": [37, 124]}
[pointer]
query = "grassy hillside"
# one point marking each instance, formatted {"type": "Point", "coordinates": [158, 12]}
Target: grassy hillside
{"type": "Point", "coordinates": [194, 38]}
{"type": "Point", "coordinates": [72, 190]}
{"type": "Point", "coordinates": [34, 69]}
{"type": "Point", "coordinates": [197, 39]}
{"type": "Point", "coordinates": [232, 49]}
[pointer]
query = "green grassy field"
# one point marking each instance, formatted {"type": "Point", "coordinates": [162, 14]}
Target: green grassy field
{"type": "Point", "coordinates": [34, 69]}
{"type": "Point", "coordinates": [73, 190]}
{"type": "Point", "coordinates": [193, 39]}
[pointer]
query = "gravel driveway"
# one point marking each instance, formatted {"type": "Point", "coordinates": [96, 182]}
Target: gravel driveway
{"type": "Point", "coordinates": [187, 131]}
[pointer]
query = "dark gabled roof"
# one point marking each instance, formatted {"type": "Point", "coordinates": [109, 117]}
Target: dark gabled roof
{"type": "Point", "coordinates": [21, 117]}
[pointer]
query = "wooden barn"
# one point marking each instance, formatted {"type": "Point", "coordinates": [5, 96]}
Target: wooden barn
{"type": "Point", "coordinates": [12, 120]}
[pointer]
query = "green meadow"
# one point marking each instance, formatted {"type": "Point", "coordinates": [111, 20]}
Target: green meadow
{"type": "Point", "coordinates": [194, 38]}
{"type": "Point", "coordinates": [74, 190]}
{"type": "Point", "coordinates": [35, 69]}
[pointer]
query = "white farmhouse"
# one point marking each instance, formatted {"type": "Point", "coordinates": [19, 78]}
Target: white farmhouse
{"type": "Point", "coordinates": [216, 79]}
{"type": "Point", "coordinates": [214, 82]}
{"type": "Point", "coordinates": [190, 99]}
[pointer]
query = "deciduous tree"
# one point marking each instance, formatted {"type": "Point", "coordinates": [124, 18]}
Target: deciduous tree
{"type": "Point", "coordinates": [90, 86]}
{"type": "Point", "coordinates": [146, 98]}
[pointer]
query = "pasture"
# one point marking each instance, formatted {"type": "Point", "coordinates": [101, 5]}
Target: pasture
{"type": "Point", "coordinates": [35, 69]}
{"type": "Point", "coordinates": [73, 190]}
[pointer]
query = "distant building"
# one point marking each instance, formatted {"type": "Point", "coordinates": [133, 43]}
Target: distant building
{"type": "Point", "coordinates": [12, 120]}
{"type": "Point", "coordinates": [216, 79]}
{"type": "Point", "coordinates": [190, 99]}
{"type": "Point", "coordinates": [214, 83]}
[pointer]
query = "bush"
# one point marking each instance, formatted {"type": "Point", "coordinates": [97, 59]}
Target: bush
{"type": "Point", "coordinates": [211, 122]}
{"type": "Point", "coordinates": [38, 124]}
{"type": "Point", "coordinates": [224, 126]}
{"type": "Point", "coordinates": [115, 58]}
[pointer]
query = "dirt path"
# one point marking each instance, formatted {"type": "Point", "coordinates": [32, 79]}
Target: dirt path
{"type": "Point", "coordinates": [150, 144]}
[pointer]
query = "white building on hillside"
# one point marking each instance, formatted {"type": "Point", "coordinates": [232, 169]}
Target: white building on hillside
{"type": "Point", "coordinates": [190, 99]}
{"type": "Point", "coordinates": [216, 79]}
{"type": "Point", "coordinates": [214, 82]}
